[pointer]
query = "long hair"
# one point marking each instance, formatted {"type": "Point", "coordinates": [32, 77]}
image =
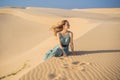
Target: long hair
{"type": "Point", "coordinates": [59, 27]}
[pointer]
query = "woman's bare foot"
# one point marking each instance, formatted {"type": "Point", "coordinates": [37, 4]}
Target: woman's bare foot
{"type": "Point", "coordinates": [64, 54]}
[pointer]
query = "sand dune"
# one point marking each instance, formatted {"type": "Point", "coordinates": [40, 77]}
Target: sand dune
{"type": "Point", "coordinates": [102, 11]}
{"type": "Point", "coordinates": [25, 38]}
{"type": "Point", "coordinates": [98, 61]}
{"type": "Point", "coordinates": [85, 67]}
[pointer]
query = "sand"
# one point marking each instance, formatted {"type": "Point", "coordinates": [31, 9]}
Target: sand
{"type": "Point", "coordinates": [25, 37]}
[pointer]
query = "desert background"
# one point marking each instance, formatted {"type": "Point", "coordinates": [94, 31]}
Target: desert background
{"type": "Point", "coordinates": [25, 37]}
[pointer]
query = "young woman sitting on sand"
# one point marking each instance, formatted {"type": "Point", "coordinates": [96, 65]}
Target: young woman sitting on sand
{"type": "Point", "coordinates": [65, 39]}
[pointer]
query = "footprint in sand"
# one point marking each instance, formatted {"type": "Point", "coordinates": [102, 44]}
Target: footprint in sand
{"type": "Point", "coordinates": [53, 76]}
{"type": "Point", "coordinates": [61, 58]}
{"type": "Point", "coordinates": [76, 66]}
{"type": "Point", "coordinates": [75, 62]}
{"type": "Point", "coordinates": [60, 77]}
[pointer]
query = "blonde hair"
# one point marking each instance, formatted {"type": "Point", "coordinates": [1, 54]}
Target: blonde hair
{"type": "Point", "coordinates": [59, 27]}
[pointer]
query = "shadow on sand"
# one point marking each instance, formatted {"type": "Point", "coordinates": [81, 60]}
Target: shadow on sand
{"type": "Point", "coordinates": [91, 52]}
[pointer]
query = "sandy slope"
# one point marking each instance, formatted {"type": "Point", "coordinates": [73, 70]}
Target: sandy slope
{"type": "Point", "coordinates": [96, 59]}
{"type": "Point", "coordinates": [25, 38]}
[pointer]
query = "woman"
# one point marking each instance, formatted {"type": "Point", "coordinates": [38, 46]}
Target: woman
{"type": "Point", "coordinates": [65, 40]}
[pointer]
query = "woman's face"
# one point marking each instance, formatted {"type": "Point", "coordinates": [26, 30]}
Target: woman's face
{"type": "Point", "coordinates": [66, 26]}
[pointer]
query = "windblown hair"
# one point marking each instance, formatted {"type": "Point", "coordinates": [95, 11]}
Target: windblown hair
{"type": "Point", "coordinates": [59, 27]}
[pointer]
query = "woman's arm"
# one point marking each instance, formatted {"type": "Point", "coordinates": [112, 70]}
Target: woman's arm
{"type": "Point", "coordinates": [71, 43]}
{"type": "Point", "coordinates": [58, 37]}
